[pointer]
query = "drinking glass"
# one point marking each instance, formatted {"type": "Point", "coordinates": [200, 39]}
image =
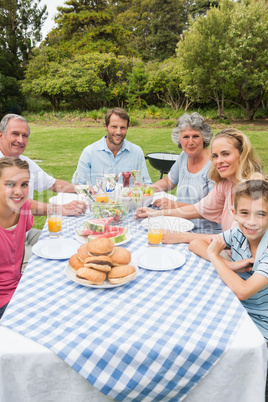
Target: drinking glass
{"type": "Point", "coordinates": [135, 176]}
{"type": "Point", "coordinates": [101, 195]}
{"type": "Point", "coordinates": [137, 196]}
{"type": "Point", "coordinates": [110, 181]}
{"type": "Point", "coordinates": [54, 220]}
{"type": "Point", "coordinates": [155, 230]}
{"type": "Point", "coordinates": [82, 183]}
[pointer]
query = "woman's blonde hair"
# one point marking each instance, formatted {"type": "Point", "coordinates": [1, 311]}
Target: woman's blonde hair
{"type": "Point", "coordinates": [249, 163]}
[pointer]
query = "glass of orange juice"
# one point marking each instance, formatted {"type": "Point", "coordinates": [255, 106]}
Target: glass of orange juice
{"type": "Point", "coordinates": [54, 220]}
{"type": "Point", "coordinates": [155, 230]}
{"type": "Point", "coordinates": [102, 198]}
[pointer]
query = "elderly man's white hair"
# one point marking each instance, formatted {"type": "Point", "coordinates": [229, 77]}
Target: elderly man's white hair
{"type": "Point", "coordinates": [5, 120]}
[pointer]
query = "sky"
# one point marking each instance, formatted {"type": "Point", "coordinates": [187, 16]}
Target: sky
{"type": "Point", "coordinates": [52, 11]}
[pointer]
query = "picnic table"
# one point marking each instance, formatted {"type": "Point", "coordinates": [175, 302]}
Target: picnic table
{"type": "Point", "coordinates": [167, 335]}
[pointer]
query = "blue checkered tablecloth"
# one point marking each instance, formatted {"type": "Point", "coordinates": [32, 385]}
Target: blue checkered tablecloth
{"type": "Point", "coordinates": [150, 340]}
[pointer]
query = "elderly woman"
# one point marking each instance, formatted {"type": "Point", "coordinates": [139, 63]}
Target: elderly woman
{"type": "Point", "coordinates": [189, 172]}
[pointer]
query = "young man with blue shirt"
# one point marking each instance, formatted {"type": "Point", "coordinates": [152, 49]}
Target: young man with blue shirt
{"type": "Point", "coordinates": [112, 153]}
{"type": "Point", "coordinates": [249, 244]}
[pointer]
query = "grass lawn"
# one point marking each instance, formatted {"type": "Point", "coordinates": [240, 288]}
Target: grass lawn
{"type": "Point", "coordinates": [57, 148]}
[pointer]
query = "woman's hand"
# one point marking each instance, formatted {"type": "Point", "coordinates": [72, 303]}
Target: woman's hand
{"type": "Point", "coordinates": [75, 208]}
{"type": "Point", "coordinates": [143, 212]}
{"type": "Point", "coordinates": [164, 203]}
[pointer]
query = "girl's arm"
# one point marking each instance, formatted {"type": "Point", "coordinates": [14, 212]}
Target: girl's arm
{"type": "Point", "coordinates": [243, 289]}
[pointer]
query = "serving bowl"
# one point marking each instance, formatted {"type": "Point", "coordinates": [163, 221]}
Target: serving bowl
{"type": "Point", "coordinates": [117, 209]}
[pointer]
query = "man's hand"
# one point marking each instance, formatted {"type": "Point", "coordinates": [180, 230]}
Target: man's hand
{"type": "Point", "coordinates": [75, 208]}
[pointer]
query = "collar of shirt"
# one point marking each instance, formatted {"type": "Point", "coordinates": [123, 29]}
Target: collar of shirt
{"type": "Point", "coordinates": [104, 147]}
{"type": "Point", "coordinates": [261, 248]}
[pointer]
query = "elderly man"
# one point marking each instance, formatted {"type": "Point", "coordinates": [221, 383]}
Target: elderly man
{"type": "Point", "coordinates": [112, 153]}
{"type": "Point", "coordinates": [14, 135]}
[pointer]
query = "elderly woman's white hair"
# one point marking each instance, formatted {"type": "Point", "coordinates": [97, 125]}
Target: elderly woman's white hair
{"type": "Point", "coordinates": [194, 121]}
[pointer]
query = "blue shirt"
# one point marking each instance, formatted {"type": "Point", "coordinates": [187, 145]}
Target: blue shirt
{"type": "Point", "coordinates": [191, 188]}
{"type": "Point", "coordinates": [256, 305]}
{"type": "Point", "coordinates": [97, 159]}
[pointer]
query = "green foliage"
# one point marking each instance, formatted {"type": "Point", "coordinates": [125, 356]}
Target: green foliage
{"type": "Point", "coordinates": [245, 55]}
{"type": "Point", "coordinates": [225, 55]}
{"type": "Point", "coordinates": [20, 29]}
{"type": "Point", "coordinates": [88, 26]}
{"type": "Point", "coordinates": [85, 81]}
{"type": "Point", "coordinates": [156, 26]}
{"type": "Point", "coordinates": [137, 79]}
{"type": "Point", "coordinates": [164, 79]}
{"type": "Point", "coordinates": [10, 101]}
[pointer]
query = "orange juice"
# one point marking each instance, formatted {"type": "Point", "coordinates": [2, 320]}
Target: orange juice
{"type": "Point", "coordinates": [54, 224]}
{"type": "Point", "coordinates": [102, 198]}
{"type": "Point", "coordinates": [155, 236]}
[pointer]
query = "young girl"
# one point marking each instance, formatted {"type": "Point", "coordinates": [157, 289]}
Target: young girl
{"type": "Point", "coordinates": [15, 220]}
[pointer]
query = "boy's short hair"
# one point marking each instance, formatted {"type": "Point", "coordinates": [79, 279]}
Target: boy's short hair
{"type": "Point", "coordinates": [255, 189]}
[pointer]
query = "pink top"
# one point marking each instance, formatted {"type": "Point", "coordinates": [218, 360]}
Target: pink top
{"type": "Point", "coordinates": [217, 205]}
{"type": "Point", "coordinates": [12, 251]}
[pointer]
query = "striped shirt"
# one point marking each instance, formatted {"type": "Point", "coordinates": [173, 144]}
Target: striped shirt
{"type": "Point", "coordinates": [256, 305]}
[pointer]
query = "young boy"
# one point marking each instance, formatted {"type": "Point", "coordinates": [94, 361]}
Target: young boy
{"type": "Point", "coordinates": [249, 240]}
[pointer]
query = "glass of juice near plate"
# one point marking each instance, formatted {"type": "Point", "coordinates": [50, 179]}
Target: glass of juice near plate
{"type": "Point", "coordinates": [155, 230]}
{"type": "Point", "coordinates": [54, 220]}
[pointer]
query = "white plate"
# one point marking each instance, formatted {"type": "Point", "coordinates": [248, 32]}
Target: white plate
{"type": "Point", "coordinates": [83, 239]}
{"type": "Point", "coordinates": [64, 198]}
{"type": "Point", "coordinates": [55, 249]}
{"type": "Point", "coordinates": [172, 223]}
{"type": "Point", "coordinates": [71, 274]}
{"type": "Point", "coordinates": [158, 258]}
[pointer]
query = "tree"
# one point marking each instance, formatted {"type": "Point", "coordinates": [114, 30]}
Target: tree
{"type": "Point", "coordinates": [245, 55]}
{"type": "Point", "coordinates": [20, 30]}
{"type": "Point", "coordinates": [199, 56]}
{"type": "Point", "coordinates": [88, 26]}
{"type": "Point", "coordinates": [156, 26]}
{"type": "Point", "coordinates": [225, 55]}
{"type": "Point", "coordinates": [164, 79]}
{"type": "Point", "coordinates": [85, 81]}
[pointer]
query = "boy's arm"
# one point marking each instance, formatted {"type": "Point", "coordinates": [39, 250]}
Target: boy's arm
{"type": "Point", "coordinates": [243, 289]}
{"type": "Point", "coordinates": [199, 246]}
